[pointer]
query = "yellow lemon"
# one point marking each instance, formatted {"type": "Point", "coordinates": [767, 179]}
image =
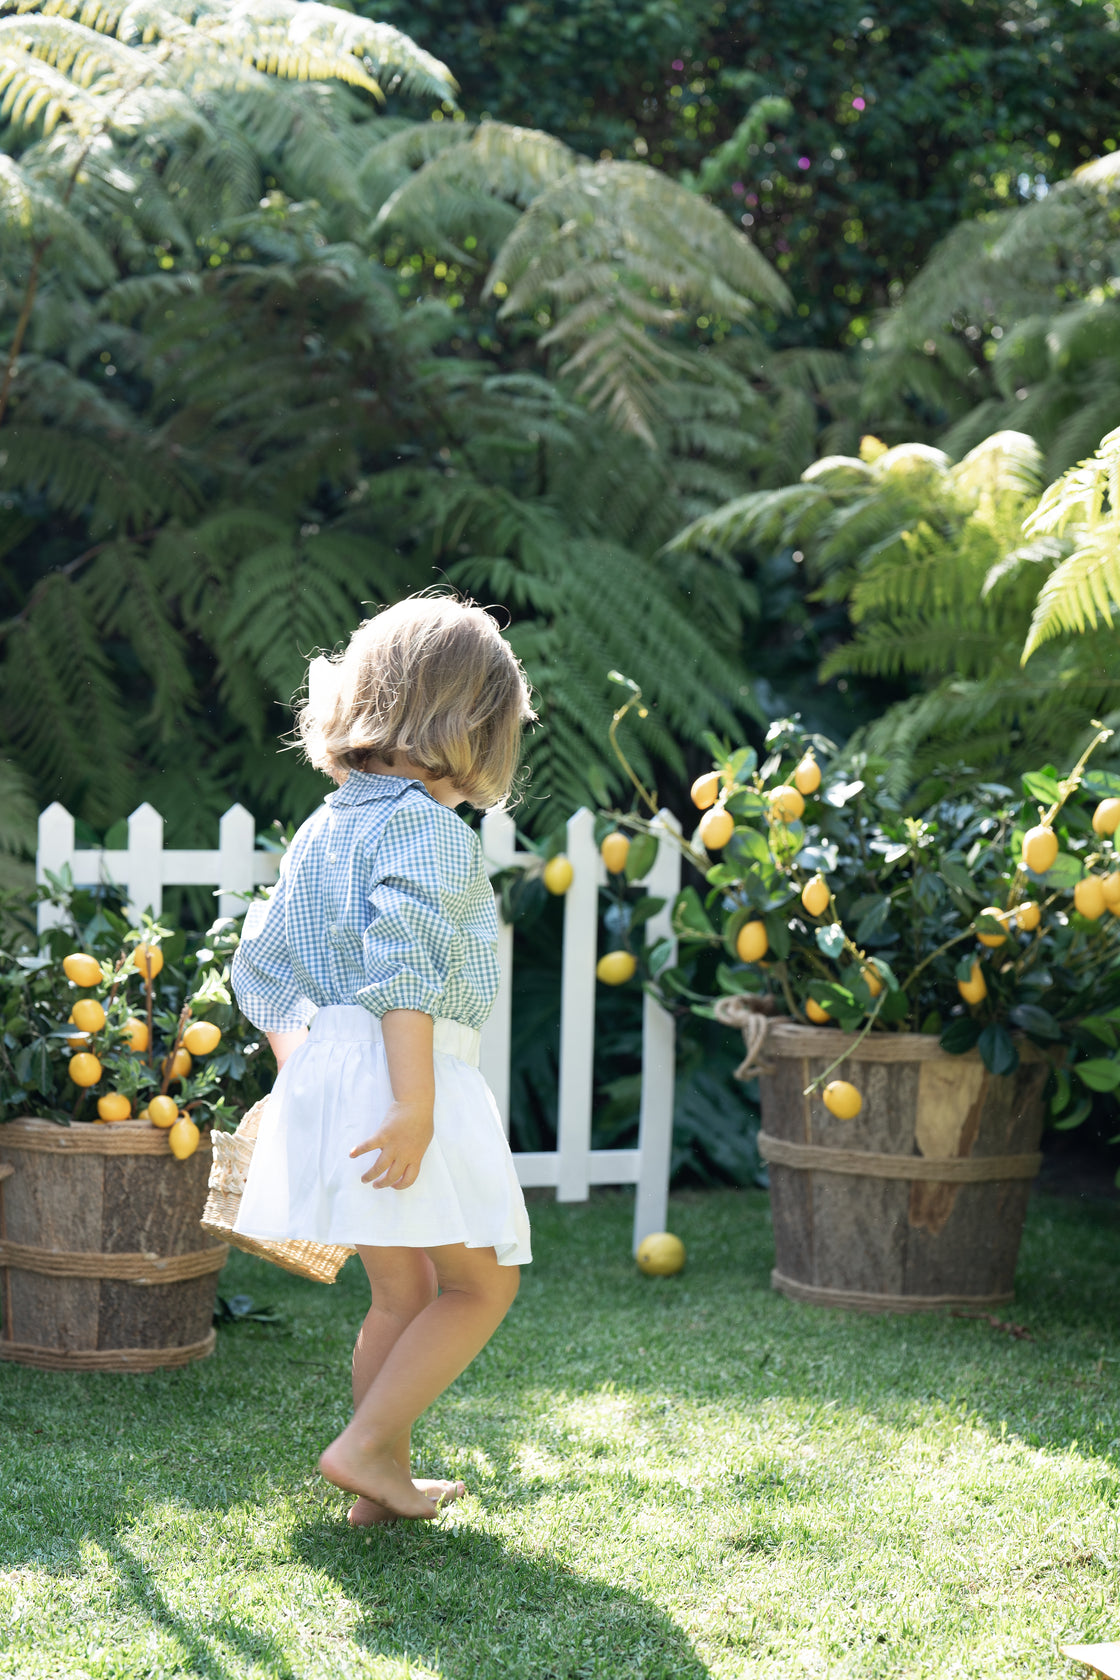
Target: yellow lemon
{"type": "Point", "coordinates": [807, 776]}
{"type": "Point", "coordinates": [1106, 817]}
{"type": "Point", "coordinates": [163, 1111]}
{"type": "Point", "coordinates": [83, 970]}
{"type": "Point", "coordinates": [183, 1138]}
{"type": "Point", "coordinates": [179, 1064]}
{"type": "Point", "coordinates": [201, 1037]}
{"type": "Point", "coordinates": [1028, 915]}
{"type": "Point", "coordinates": [660, 1254]}
{"type": "Point", "coordinates": [815, 895]}
{"type": "Point", "coordinates": [149, 960]}
{"type": "Point", "coordinates": [558, 875]}
{"type": "Point", "coordinates": [815, 1012]}
{"type": "Point", "coordinates": [616, 968]}
{"type": "Point", "coordinates": [716, 828]}
{"type": "Point", "coordinates": [136, 1034]}
{"type": "Point", "coordinates": [77, 1040]}
{"type": "Point", "coordinates": [786, 804]}
{"type": "Point", "coordinates": [1110, 886]}
{"type": "Point", "coordinates": [992, 940]}
{"type": "Point", "coordinates": [842, 1099]}
{"type": "Point", "coordinates": [1040, 848]}
{"type": "Point", "coordinates": [84, 1068]}
{"type": "Point", "coordinates": [88, 1014]}
{"type": "Point", "coordinates": [751, 942]}
{"type": "Point", "coordinates": [143, 1114]}
{"type": "Point", "coordinates": [614, 851]}
{"type": "Point", "coordinates": [871, 979]}
{"type": "Point", "coordinates": [114, 1105]}
{"type": "Point", "coordinates": [1088, 897]}
{"type": "Point", "coordinates": [705, 790]}
{"type": "Point", "coordinates": [974, 989]}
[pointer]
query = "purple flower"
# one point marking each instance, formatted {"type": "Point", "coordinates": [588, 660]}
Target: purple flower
{"type": "Point", "coordinates": [803, 163]}
{"type": "Point", "coordinates": [738, 188]}
{"type": "Point", "coordinates": [859, 104]}
{"type": "Point", "coordinates": [678, 64]}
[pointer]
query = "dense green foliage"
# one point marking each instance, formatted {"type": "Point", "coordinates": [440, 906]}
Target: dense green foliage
{"type": "Point", "coordinates": [848, 137]}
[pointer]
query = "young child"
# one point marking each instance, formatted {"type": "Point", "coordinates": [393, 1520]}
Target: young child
{"type": "Point", "coordinates": [381, 932]}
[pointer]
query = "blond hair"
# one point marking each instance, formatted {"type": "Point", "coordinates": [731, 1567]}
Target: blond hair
{"type": "Point", "coordinates": [429, 679]}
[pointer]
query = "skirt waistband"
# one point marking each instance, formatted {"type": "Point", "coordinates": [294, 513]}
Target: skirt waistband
{"type": "Point", "coordinates": [349, 1023]}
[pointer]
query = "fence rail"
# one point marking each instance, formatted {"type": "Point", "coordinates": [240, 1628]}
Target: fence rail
{"type": "Point", "coordinates": [146, 867]}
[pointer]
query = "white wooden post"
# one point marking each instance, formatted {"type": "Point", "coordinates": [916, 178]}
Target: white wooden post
{"type": "Point", "coordinates": [577, 1013]}
{"type": "Point", "coordinates": [499, 847]}
{"type": "Point", "coordinates": [144, 865]}
{"type": "Point", "coordinates": [655, 1126]}
{"type": "Point", "coordinates": [55, 851]}
{"type": "Point", "coordinates": [236, 834]}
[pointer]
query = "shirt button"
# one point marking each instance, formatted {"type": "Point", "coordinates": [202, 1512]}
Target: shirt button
{"type": "Point", "coordinates": [332, 857]}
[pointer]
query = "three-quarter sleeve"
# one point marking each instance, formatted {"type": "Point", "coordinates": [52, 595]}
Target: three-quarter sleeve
{"type": "Point", "coordinates": [262, 978]}
{"type": "Point", "coordinates": [428, 894]}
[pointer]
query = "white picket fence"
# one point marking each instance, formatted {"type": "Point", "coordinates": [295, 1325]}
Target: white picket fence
{"type": "Point", "coordinates": [145, 867]}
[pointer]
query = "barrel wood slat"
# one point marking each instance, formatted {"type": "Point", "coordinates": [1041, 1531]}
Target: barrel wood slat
{"type": "Point", "coordinates": [126, 1214]}
{"type": "Point", "coordinates": [885, 1240]}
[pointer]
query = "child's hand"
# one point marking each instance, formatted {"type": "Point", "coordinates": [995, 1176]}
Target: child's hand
{"type": "Point", "coordinates": [402, 1138]}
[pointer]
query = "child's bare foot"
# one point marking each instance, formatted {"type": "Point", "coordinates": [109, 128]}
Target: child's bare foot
{"type": "Point", "coordinates": [376, 1476]}
{"type": "Point", "coordinates": [364, 1513]}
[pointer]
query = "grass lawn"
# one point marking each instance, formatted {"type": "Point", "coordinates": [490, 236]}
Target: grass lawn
{"type": "Point", "coordinates": [671, 1479]}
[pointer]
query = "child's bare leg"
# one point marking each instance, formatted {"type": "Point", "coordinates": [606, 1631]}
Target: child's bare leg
{"type": "Point", "coordinates": [439, 1343]}
{"type": "Point", "coordinates": [402, 1283]}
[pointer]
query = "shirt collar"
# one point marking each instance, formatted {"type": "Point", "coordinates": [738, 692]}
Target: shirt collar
{"type": "Point", "coordinates": [361, 786]}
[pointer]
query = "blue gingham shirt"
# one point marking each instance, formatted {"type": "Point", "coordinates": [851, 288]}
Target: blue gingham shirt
{"type": "Point", "coordinates": [383, 900]}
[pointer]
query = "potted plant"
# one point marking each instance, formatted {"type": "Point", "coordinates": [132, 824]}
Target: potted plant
{"type": "Point", "coordinates": [120, 1049]}
{"type": "Point", "coordinates": [916, 991]}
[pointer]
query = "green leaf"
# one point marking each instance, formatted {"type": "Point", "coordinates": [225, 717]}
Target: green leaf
{"type": "Point", "coordinates": [747, 846]}
{"type": "Point", "coordinates": [641, 857]}
{"type": "Point", "coordinates": [873, 921]}
{"type": "Point", "coordinates": [777, 931]}
{"type": "Point", "coordinates": [1079, 1112]}
{"type": "Point", "coordinates": [746, 803]}
{"type": "Point", "coordinates": [958, 876]}
{"type": "Point", "coordinates": [831, 940]}
{"type": "Point", "coordinates": [690, 920]}
{"type": "Point", "coordinates": [644, 909]}
{"type": "Point", "coordinates": [1066, 872]}
{"type": "Point", "coordinates": [963, 968]}
{"type": "Point", "coordinates": [1035, 1020]}
{"type": "Point", "coordinates": [1100, 1028]}
{"type": "Point", "coordinates": [1062, 1091]}
{"type": "Point", "coordinates": [1100, 1074]}
{"type": "Point", "coordinates": [735, 980]}
{"type": "Point", "coordinates": [960, 1036]}
{"type": "Point", "coordinates": [1103, 784]}
{"type": "Point", "coordinates": [997, 1049]}
{"type": "Point", "coordinates": [1043, 788]}
{"type": "Point", "coordinates": [741, 763]}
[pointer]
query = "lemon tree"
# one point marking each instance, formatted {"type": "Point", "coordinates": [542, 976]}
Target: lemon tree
{"type": "Point", "coordinates": [991, 916]}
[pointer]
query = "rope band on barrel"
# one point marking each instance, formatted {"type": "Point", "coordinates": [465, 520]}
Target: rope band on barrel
{"type": "Point", "coordinates": [105, 1359]}
{"type": "Point", "coordinates": [126, 1268]}
{"type": "Point", "coordinates": [117, 1137]}
{"type": "Point", "coordinates": [863, 1300]}
{"type": "Point", "coordinates": [963, 1169]}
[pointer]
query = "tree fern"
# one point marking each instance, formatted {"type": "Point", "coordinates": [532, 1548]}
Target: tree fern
{"type": "Point", "coordinates": [1084, 507]}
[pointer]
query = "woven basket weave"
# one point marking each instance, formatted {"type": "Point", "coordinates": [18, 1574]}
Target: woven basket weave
{"type": "Point", "coordinates": [232, 1153]}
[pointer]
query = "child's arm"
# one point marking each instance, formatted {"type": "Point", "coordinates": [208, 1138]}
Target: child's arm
{"type": "Point", "coordinates": [406, 1130]}
{"type": "Point", "coordinates": [283, 1043]}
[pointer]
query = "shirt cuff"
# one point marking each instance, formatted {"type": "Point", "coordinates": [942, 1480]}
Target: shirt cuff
{"type": "Point", "coordinates": [269, 1016]}
{"type": "Point", "coordinates": [404, 991]}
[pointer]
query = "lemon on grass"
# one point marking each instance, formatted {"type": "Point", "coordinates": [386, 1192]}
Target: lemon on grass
{"type": "Point", "coordinates": [816, 1013]}
{"type": "Point", "coordinates": [716, 828]}
{"type": "Point", "coordinates": [558, 875]}
{"type": "Point", "coordinates": [751, 942]}
{"type": "Point", "coordinates": [614, 851]}
{"type": "Point", "coordinates": [183, 1138]}
{"type": "Point", "coordinates": [136, 1035]}
{"type": "Point", "coordinates": [786, 804]}
{"type": "Point", "coordinates": [114, 1105]}
{"type": "Point", "coordinates": [660, 1254]}
{"type": "Point", "coordinates": [163, 1111]}
{"type": "Point", "coordinates": [616, 968]}
{"type": "Point", "coordinates": [177, 1066]}
{"type": "Point", "coordinates": [88, 1014]}
{"type": "Point", "coordinates": [201, 1037]}
{"type": "Point", "coordinates": [1089, 899]}
{"type": "Point", "coordinates": [992, 940]}
{"type": "Point", "coordinates": [807, 776]}
{"type": "Point", "coordinates": [149, 960]}
{"type": "Point", "coordinates": [705, 790]}
{"type": "Point", "coordinates": [84, 1068]}
{"type": "Point", "coordinates": [82, 969]}
{"type": "Point", "coordinates": [1028, 915]}
{"type": "Point", "coordinates": [975, 988]}
{"type": "Point", "coordinates": [1040, 848]}
{"type": "Point", "coordinates": [842, 1099]}
{"type": "Point", "coordinates": [815, 895]}
{"type": "Point", "coordinates": [1106, 817]}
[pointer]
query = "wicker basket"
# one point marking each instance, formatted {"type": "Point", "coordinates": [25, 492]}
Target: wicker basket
{"type": "Point", "coordinates": [232, 1153]}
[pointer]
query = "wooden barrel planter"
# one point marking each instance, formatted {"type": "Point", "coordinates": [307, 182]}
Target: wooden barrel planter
{"type": "Point", "coordinates": [103, 1266]}
{"type": "Point", "coordinates": [919, 1201]}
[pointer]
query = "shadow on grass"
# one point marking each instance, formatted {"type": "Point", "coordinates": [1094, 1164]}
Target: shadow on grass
{"type": "Point", "coordinates": [471, 1608]}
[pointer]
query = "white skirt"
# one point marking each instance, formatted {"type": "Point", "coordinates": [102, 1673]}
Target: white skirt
{"type": "Point", "coordinates": [332, 1094]}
